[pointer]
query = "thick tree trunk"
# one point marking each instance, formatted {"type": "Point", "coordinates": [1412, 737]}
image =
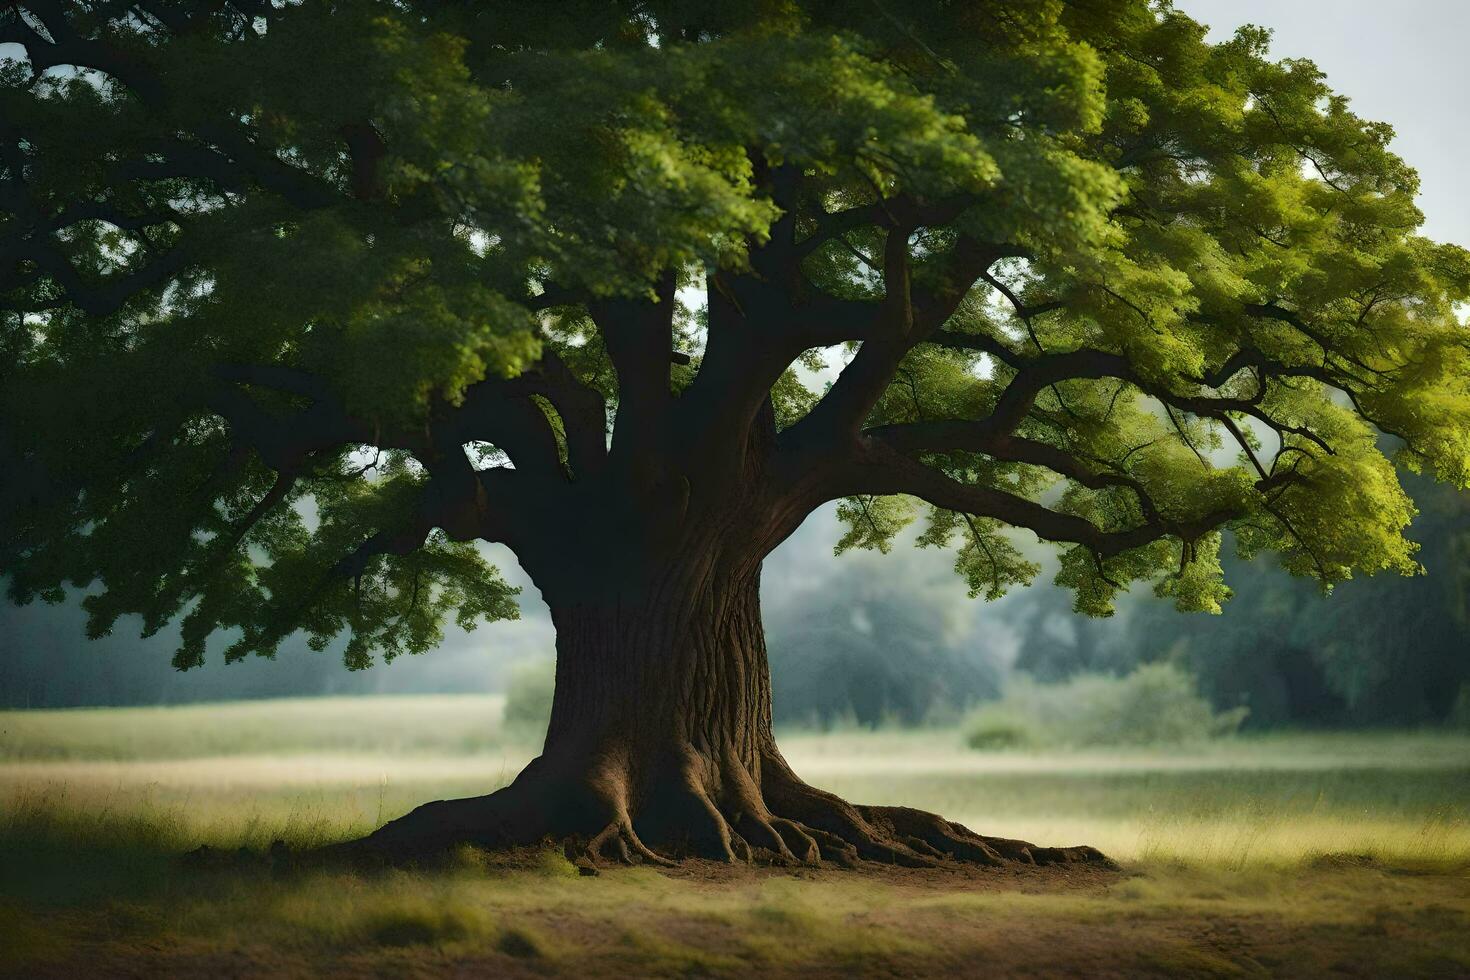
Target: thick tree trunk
{"type": "Point", "coordinates": [681, 663]}
{"type": "Point", "coordinates": [660, 747]}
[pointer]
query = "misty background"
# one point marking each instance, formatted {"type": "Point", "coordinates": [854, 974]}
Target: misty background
{"type": "Point", "coordinates": [867, 638]}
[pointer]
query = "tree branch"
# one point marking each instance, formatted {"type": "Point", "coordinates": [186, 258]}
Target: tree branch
{"type": "Point", "coordinates": [886, 472]}
{"type": "Point", "coordinates": [907, 315]}
{"type": "Point", "coordinates": [66, 47]}
{"type": "Point", "coordinates": [639, 337]}
{"type": "Point", "coordinates": [499, 411]}
{"type": "Point", "coordinates": [581, 407]}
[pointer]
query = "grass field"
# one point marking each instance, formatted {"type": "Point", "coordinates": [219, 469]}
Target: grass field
{"type": "Point", "coordinates": [1285, 854]}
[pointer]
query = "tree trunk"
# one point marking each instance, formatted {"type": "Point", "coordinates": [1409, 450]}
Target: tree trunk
{"type": "Point", "coordinates": [660, 747]}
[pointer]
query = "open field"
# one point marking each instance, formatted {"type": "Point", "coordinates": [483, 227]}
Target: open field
{"type": "Point", "coordinates": [1288, 854]}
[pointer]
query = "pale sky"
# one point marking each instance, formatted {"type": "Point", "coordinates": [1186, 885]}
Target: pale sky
{"type": "Point", "coordinates": [1404, 63]}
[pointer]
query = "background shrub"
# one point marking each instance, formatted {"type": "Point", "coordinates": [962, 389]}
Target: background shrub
{"type": "Point", "coordinates": [528, 698]}
{"type": "Point", "coordinates": [1155, 704]}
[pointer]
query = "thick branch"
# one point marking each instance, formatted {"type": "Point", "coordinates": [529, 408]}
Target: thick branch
{"type": "Point", "coordinates": [979, 437]}
{"type": "Point", "coordinates": [886, 213]}
{"type": "Point", "coordinates": [880, 471]}
{"type": "Point", "coordinates": [500, 412]}
{"type": "Point", "coordinates": [581, 407]}
{"type": "Point", "coordinates": [1033, 375]}
{"type": "Point", "coordinates": [457, 498]}
{"type": "Point", "coordinates": [907, 315]}
{"type": "Point", "coordinates": [639, 337]}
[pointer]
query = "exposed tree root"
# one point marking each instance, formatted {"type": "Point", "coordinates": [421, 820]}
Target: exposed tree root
{"type": "Point", "coordinates": [704, 810]}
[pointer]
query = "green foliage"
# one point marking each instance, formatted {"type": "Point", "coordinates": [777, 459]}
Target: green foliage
{"type": "Point", "coordinates": [987, 560]}
{"type": "Point", "coordinates": [1272, 189]}
{"type": "Point", "coordinates": [239, 264]}
{"type": "Point", "coordinates": [1155, 704]}
{"type": "Point", "coordinates": [873, 522]}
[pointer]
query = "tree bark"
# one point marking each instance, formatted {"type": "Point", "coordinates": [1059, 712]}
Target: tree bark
{"type": "Point", "coordinates": [660, 747]}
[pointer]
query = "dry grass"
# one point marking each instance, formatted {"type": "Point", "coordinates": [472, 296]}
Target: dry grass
{"type": "Point", "coordinates": [1160, 920]}
{"type": "Point", "coordinates": [1292, 855]}
{"type": "Point", "coordinates": [432, 724]}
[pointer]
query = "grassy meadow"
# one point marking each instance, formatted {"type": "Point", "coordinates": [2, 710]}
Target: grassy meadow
{"type": "Point", "coordinates": [1295, 854]}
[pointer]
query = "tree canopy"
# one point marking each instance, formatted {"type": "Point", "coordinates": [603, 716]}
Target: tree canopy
{"type": "Point", "coordinates": [302, 299]}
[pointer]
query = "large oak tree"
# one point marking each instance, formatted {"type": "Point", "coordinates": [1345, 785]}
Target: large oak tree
{"type": "Point", "coordinates": [301, 300]}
